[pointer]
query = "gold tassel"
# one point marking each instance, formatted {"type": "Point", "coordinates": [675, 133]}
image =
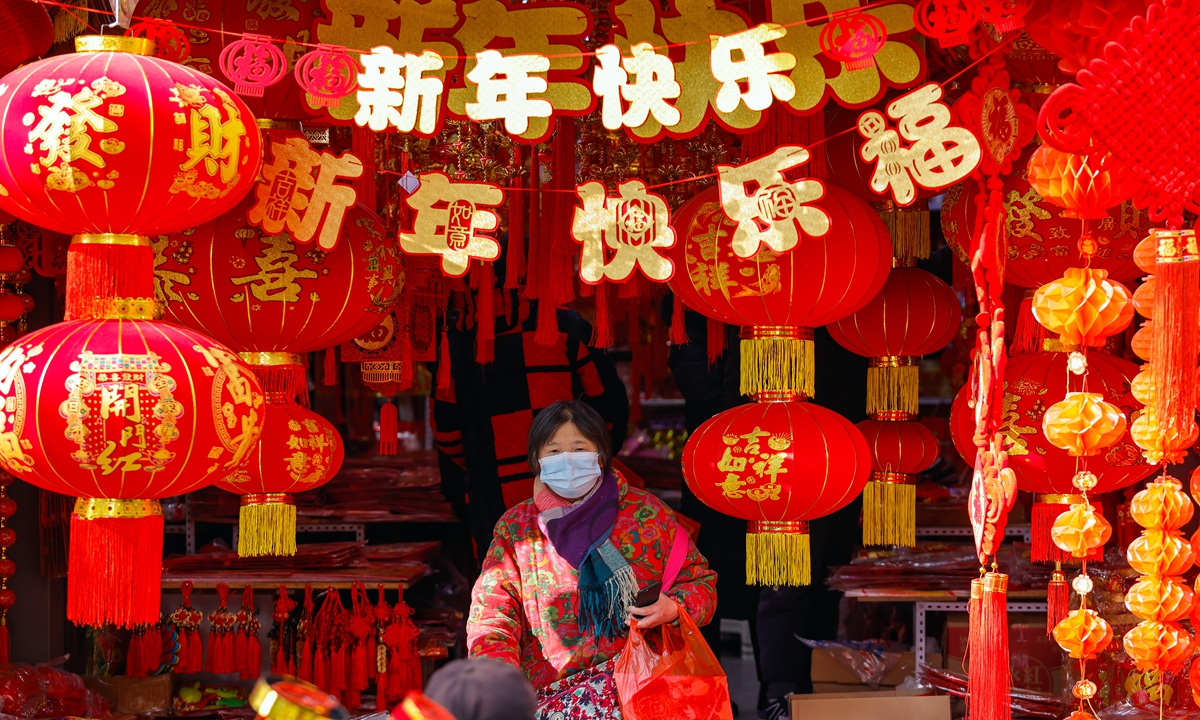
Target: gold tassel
{"type": "Point", "coordinates": [892, 384]}
{"type": "Point", "coordinates": [267, 525]}
{"type": "Point", "coordinates": [777, 553]}
{"type": "Point", "coordinates": [909, 230]}
{"type": "Point", "coordinates": [890, 510]}
{"type": "Point", "coordinates": [777, 359]}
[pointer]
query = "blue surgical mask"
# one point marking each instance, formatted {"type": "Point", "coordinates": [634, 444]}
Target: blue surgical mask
{"type": "Point", "coordinates": [570, 475]}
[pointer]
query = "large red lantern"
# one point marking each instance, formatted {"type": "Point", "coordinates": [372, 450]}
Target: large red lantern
{"type": "Point", "coordinates": [900, 448]}
{"type": "Point", "coordinates": [1032, 383]}
{"type": "Point", "coordinates": [777, 465]}
{"type": "Point", "coordinates": [258, 292]}
{"type": "Point", "coordinates": [1043, 240]}
{"type": "Point", "coordinates": [915, 314]}
{"type": "Point", "coordinates": [778, 299]}
{"type": "Point", "coordinates": [299, 451]}
{"type": "Point", "coordinates": [119, 412]}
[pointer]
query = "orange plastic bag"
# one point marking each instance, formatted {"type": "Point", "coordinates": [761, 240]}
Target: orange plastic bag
{"type": "Point", "coordinates": [678, 677]}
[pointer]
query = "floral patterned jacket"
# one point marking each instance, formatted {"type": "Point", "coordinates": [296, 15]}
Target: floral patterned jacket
{"type": "Point", "coordinates": [523, 604]}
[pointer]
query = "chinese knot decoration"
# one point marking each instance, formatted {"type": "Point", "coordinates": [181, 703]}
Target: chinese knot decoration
{"type": "Point", "coordinates": [253, 63]}
{"type": "Point", "coordinates": [623, 233]}
{"type": "Point", "coordinates": [777, 465]}
{"type": "Point", "coordinates": [111, 406]}
{"type": "Point", "coordinates": [937, 153]}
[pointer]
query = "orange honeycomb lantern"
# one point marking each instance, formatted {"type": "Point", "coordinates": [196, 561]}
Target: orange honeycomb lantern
{"type": "Point", "coordinates": [1083, 307]}
{"type": "Point", "coordinates": [1083, 423]}
{"type": "Point", "coordinates": [1164, 599]}
{"type": "Point", "coordinates": [1159, 552]}
{"type": "Point", "coordinates": [1074, 182]}
{"type": "Point", "coordinates": [1162, 505]}
{"type": "Point", "coordinates": [1083, 634]}
{"type": "Point", "coordinates": [1080, 530]}
{"type": "Point", "coordinates": [1158, 646]}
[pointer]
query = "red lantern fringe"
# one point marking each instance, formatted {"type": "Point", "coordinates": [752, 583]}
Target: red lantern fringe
{"type": "Point", "coordinates": [679, 334]}
{"type": "Point", "coordinates": [989, 678]}
{"type": "Point", "coordinates": [134, 664]}
{"type": "Point", "coordinates": [388, 443]}
{"type": "Point", "coordinates": [602, 330]}
{"type": "Point", "coordinates": [330, 374]}
{"type": "Point", "coordinates": [115, 570]}
{"type": "Point", "coordinates": [1043, 549]}
{"type": "Point", "coordinates": [514, 270]}
{"type": "Point", "coordinates": [483, 279]}
{"type": "Point", "coordinates": [1058, 598]}
{"type": "Point", "coordinates": [716, 340]}
{"type": "Point", "coordinates": [283, 381]}
{"type": "Point", "coordinates": [1176, 307]}
{"type": "Point", "coordinates": [103, 272]}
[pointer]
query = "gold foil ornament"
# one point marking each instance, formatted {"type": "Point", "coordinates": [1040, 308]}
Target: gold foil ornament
{"type": "Point", "coordinates": [299, 192]}
{"type": "Point", "coordinates": [1083, 307]}
{"type": "Point", "coordinates": [938, 154]}
{"type": "Point", "coordinates": [408, 101]}
{"type": "Point", "coordinates": [747, 73]}
{"type": "Point", "coordinates": [767, 207]}
{"type": "Point", "coordinates": [631, 225]}
{"type": "Point", "coordinates": [449, 218]}
{"type": "Point", "coordinates": [647, 95]}
{"type": "Point", "coordinates": [1083, 423]}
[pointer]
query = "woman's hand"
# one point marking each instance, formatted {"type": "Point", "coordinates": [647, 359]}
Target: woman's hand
{"type": "Point", "coordinates": [664, 610]}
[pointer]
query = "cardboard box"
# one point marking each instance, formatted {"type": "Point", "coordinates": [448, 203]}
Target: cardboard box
{"type": "Point", "coordinates": [1035, 659]}
{"type": "Point", "coordinates": [889, 704]}
{"type": "Point", "coordinates": [134, 696]}
{"type": "Point", "coordinates": [827, 670]}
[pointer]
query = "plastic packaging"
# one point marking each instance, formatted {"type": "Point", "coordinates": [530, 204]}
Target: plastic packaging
{"type": "Point", "coordinates": [676, 677]}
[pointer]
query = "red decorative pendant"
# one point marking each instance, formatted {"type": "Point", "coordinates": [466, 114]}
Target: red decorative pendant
{"type": "Point", "coordinates": [947, 21]}
{"type": "Point", "coordinates": [852, 38]}
{"type": "Point", "coordinates": [253, 63]}
{"type": "Point", "coordinates": [327, 74]}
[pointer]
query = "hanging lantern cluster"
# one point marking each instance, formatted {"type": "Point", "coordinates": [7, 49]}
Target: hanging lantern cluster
{"type": "Point", "coordinates": [915, 314]}
{"type": "Point", "coordinates": [112, 406]}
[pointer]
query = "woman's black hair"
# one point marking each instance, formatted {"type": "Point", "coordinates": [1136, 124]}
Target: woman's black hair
{"type": "Point", "coordinates": [582, 416]}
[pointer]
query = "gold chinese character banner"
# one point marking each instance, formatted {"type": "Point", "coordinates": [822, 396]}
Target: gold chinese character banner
{"type": "Point", "coordinates": [622, 233]}
{"type": "Point", "coordinates": [662, 72]}
{"type": "Point", "coordinates": [452, 219]}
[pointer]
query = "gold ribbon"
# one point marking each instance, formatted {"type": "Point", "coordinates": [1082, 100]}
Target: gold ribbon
{"type": "Point", "coordinates": [114, 43]}
{"type": "Point", "coordinates": [120, 308]}
{"type": "Point", "coordinates": [269, 499]}
{"type": "Point", "coordinates": [1057, 499]}
{"type": "Point", "coordinates": [893, 361]}
{"type": "Point", "coordinates": [111, 238]}
{"type": "Point", "coordinates": [270, 359]}
{"type": "Point", "coordinates": [776, 332]}
{"type": "Point", "coordinates": [892, 415]}
{"type": "Point", "coordinates": [995, 582]}
{"type": "Point", "coordinates": [104, 508]}
{"type": "Point", "coordinates": [768, 396]}
{"type": "Point", "coordinates": [777, 527]}
{"type": "Point", "coordinates": [883, 476]}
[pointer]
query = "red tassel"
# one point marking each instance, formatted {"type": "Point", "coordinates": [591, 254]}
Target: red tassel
{"type": "Point", "coordinates": [331, 370]}
{"type": "Point", "coordinates": [134, 664]}
{"type": "Point", "coordinates": [337, 670]}
{"type": "Point", "coordinates": [484, 280]}
{"type": "Point", "coordinates": [304, 667]}
{"type": "Point", "coordinates": [115, 571]}
{"type": "Point", "coordinates": [362, 144]}
{"type": "Point", "coordinates": [195, 651]}
{"type": "Point", "coordinates": [514, 269]}
{"type": "Point", "coordinates": [1176, 307]}
{"type": "Point", "coordinates": [961, 279]}
{"type": "Point", "coordinates": [678, 321]}
{"type": "Point", "coordinates": [221, 637]}
{"type": "Point", "coordinates": [716, 340]}
{"type": "Point", "coordinates": [320, 679]}
{"type": "Point", "coordinates": [239, 652]}
{"type": "Point", "coordinates": [547, 323]}
{"type": "Point", "coordinates": [104, 272]}
{"type": "Point", "coordinates": [406, 361]}
{"type": "Point", "coordinates": [443, 372]}
{"type": "Point", "coordinates": [533, 275]}
{"type": "Point", "coordinates": [1029, 336]}
{"type": "Point", "coordinates": [1058, 599]}
{"type": "Point", "coordinates": [5, 645]}
{"type": "Point", "coordinates": [602, 331]}
{"type": "Point", "coordinates": [989, 678]}
{"type": "Point", "coordinates": [388, 443]}
{"type": "Point", "coordinates": [288, 383]}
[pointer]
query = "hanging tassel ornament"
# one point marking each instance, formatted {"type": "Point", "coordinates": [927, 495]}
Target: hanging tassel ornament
{"type": "Point", "coordinates": [360, 628]}
{"type": "Point", "coordinates": [115, 563]}
{"type": "Point", "coordinates": [304, 639]}
{"type": "Point", "coordinates": [388, 438]}
{"type": "Point", "coordinates": [382, 613]}
{"type": "Point", "coordinates": [283, 634]}
{"type": "Point", "coordinates": [443, 371]}
{"type": "Point", "coordinates": [185, 621]}
{"type": "Point", "coordinates": [602, 331]}
{"type": "Point", "coordinates": [249, 647]}
{"type": "Point", "coordinates": [1058, 598]}
{"type": "Point", "coordinates": [514, 269]}
{"type": "Point", "coordinates": [989, 669]}
{"type": "Point", "coordinates": [222, 628]}
{"type": "Point", "coordinates": [778, 553]}
{"type": "Point", "coordinates": [777, 359]}
{"type": "Point", "coordinates": [1176, 307]}
{"type": "Point", "coordinates": [679, 334]}
{"type": "Point", "coordinates": [329, 376]}
{"type": "Point", "coordinates": [715, 345]}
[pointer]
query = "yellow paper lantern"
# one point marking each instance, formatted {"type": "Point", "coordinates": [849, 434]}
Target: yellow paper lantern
{"type": "Point", "coordinates": [1165, 599]}
{"type": "Point", "coordinates": [1159, 646]}
{"type": "Point", "coordinates": [1080, 530]}
{"type": "Point", "coordinates": [1142, 385]}
{"type": "Point", "coordinates": [1162, 505]}
{"type": "Point", "coordinates": [1083, 307]}
{"type": "Point", "coordinates": [1083, 423]}
{"type": "Point", "coordinates": [1083, 634]}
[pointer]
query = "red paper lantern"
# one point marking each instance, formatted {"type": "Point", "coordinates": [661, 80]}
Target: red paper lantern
{"type": "Point", "coordinates": [12, 307]}
{"type": "Point", "coordinates": [327, 74]}
{"type": "Point", "coordinates": [780, 296]}
{"type": "Point", "coordinates": [915, 314]}
{"type": "Point", "coordinates": [947, 21]}
{"type": "Point", "coordinates": [29, 32]}
{"type": "Point", "coordinates": [299, 450]}
{"type": "Point", "coordinates": [1042, 240]}
{"type": "Point", "coordinates": [254, 63]}
{"type": "Point", "coordinates": [1006, 15]}
{"type": "Point", "coordinates": [1075, 182]}
{"type": "Point", "coordinates": [1032, 383]}
{"type": "Point", "coordinates": [777, 465]}
{"type": "Point", "coordinates": [900, 448]}
{"type": "Point", "coordinates": [118, 412]}
{"type": "Point", "coordinates": [160, 147]}
{"type": "Point", "coordinates": [264, 293]}
{"type": "Point", "coordinates": [853, 39]}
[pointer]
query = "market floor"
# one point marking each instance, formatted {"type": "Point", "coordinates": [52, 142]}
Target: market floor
{"type": "Point", "coordinates": [743, 684]}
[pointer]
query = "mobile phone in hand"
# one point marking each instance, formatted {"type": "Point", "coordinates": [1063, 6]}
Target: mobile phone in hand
{"type": "Point", "coordinates": [649, 594]}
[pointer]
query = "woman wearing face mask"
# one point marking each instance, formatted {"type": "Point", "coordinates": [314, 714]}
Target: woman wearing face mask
{"type": "Point", "coordinates": [565, 569]}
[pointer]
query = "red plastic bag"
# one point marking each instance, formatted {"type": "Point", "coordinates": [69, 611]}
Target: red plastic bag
{"type": "Point", "coordinates": [678, 677]}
